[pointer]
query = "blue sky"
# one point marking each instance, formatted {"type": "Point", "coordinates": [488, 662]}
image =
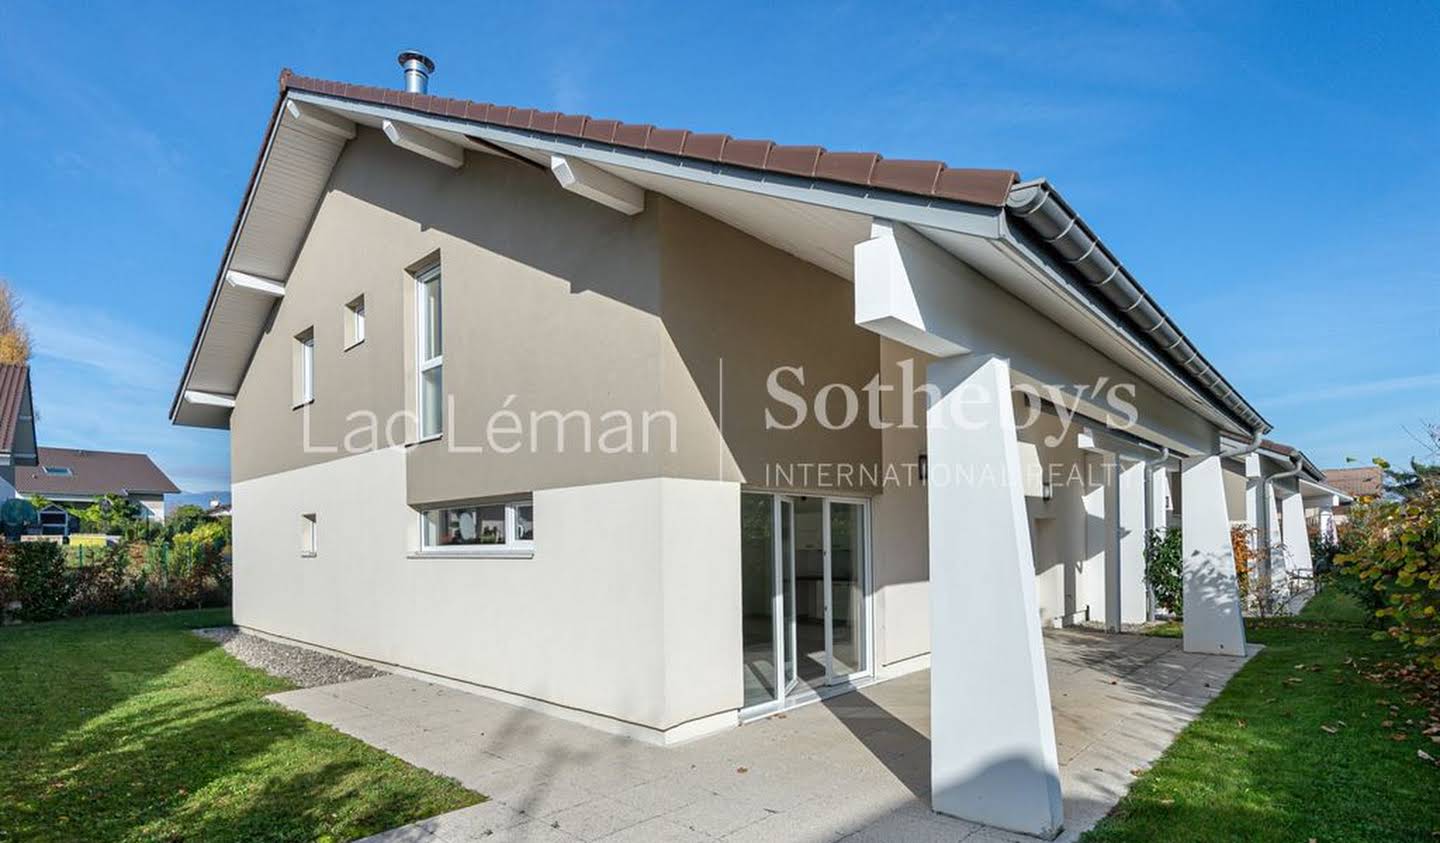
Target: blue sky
{"type": "Point", "coordinates": [1269, 172]}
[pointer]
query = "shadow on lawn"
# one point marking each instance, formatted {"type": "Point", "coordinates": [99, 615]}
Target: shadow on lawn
{"type": "Point", "coordinates": [131, 728]}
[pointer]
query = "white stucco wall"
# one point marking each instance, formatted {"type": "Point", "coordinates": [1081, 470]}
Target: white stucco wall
{"type": "Point", "coordinates": [629, 608]}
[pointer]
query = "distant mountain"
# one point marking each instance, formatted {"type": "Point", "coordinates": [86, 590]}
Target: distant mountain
{"type": "Point", "coordinates": [201, 499]}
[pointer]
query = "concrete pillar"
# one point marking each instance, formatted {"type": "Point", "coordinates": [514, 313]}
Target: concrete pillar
{"type": "Point", "coordinates": [1297, 539]}
{"type": "Point", "coordinates": [1130, 486]}
{"type": "Point", "coordinates": [1213, 622]}
{"type": "Point", "coordinates": [1158, 491]}
{"type": "Point", "coordinates": [992, 735]}
{"type": "Point", "coordinates": [1097, 564]}
{"type": "Point", "coordinates": [1273, 552]}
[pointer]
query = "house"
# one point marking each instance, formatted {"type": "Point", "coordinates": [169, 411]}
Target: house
{"type": "Point", "coordinates": [1280, 496]}
{"type": "Point", "coordinates": [660, 430]}
{"type": "Point", "coordinates": [77, 477]}
{"type": "Point", "coordinates": [17, 426]}
{"type": "Point", "coordinates": [1357, 483]}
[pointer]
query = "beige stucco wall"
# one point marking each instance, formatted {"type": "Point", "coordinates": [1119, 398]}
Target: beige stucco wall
{"type": "Point", "coordinates": [626, 582]}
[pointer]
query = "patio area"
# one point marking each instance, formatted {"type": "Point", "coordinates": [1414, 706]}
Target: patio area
{"type": "Point", "coordinates": [854, 767]}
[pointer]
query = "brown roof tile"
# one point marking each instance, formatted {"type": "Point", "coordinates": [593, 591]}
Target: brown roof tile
{"type": "Point", "coordinates": [93, 473]}
{"type": "Point", "coordinates": [1362, 481]}
{"type": "Point", "coordinates": [14, 380]}
{"type": "Point", "coordinates": [869, 169]}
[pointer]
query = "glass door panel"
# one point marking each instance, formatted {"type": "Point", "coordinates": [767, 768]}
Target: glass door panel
{"type": "Point", "coordinates": [787, 591]}
{"type": "Point", "coordinates": [757, 598]}
{"type": "Point", "coordinates": [846, 544]}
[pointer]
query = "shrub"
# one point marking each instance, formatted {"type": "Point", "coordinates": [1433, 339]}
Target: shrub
{"type": "Point", "coordinates": [39, 578]}
{"type": "Point", "coordinates": [1162, 569]}
{"type": "Point", "coordinates": [1395, 550]}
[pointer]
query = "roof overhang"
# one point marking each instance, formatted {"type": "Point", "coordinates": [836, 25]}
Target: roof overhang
{"type": "Point", "coordinates": [816, 220]}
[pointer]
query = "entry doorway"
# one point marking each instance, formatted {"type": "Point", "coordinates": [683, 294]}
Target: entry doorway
{"type": "Point", "coordinates": [805, 581]}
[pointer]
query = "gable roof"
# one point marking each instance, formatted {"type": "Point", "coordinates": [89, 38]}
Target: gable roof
{"type": "Point", "coordinates": [957, 207]}
{"type": "Point", "coordinates": [1362, 481]}
{"type": "Point", "coordinates": [94, 473]}
{"type": "Point", "coordinates": [17, 416]}
{"type": "Point", "coordinates": [869, 169]}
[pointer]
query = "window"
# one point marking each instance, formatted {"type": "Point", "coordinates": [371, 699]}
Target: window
{"type": "Point", "coordinates": [430, 357]}
{"type": "Point", "coordinates": [355, 322]}
{"type": "Point", "coordinates": [58, 471]}
{"type": "Point", "coordinates": [307, 534]}
{"type": "Point", "coordinates": [304, 367]}
{"type": "Point", "coordinates": [494, 526]}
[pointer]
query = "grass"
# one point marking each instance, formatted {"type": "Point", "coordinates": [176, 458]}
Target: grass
{"type": "Point", "coordinates": [1258, 766]}
{"type": "Point", "coordinates": [131, 728]}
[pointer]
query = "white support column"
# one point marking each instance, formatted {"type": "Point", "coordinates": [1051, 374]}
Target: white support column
{"type": "Point", "coordinates": [1157, 513]}
{"type": "Point", "coordinates": [1213, 622]}
{"type": "Point", "coordinates": [1134, 605]}
{"type": "Point", "coordinates": [1274, 553]}
{"type": "Point", "coordinates": [1096, 566]}
{"type": "Point", "coordinates": [992, 744]}
{"type": "Point", "coordinates": [1296, 535]}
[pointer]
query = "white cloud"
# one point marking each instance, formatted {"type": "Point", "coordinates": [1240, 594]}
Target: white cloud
{"type": "Point", "coordinates": [1358, 389]}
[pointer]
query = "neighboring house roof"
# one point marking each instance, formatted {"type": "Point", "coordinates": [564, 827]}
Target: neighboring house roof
{"type": "Point", "coordinates": [93, 473]}
{"type": "Point", "coordinates": [1364, 481]}
{"type": "Point", "coordinates": [17, 415]}
{"type": "Point", "coordinates": [304, 149]}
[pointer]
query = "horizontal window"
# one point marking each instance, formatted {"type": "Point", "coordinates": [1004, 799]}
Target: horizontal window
{"type": "Point", "coordinates": [492, 526]}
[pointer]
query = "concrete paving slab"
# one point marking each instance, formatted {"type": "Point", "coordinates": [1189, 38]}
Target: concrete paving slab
{"type": "Point", "coordinates": [853, 767]}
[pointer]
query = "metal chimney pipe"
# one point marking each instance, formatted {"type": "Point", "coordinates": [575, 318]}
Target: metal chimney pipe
{"type": "Point", "coordinates": [418, 68]}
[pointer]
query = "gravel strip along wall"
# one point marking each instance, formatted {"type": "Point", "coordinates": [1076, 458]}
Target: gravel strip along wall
{"type": "Point", "coordinates": [306, 668]}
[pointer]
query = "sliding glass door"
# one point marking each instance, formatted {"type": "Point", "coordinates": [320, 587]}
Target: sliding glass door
{"type": "Point", "coordinates": [804, 590]}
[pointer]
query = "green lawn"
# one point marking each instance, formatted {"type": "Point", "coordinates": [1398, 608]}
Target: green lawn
{"type": "Point", "coordinates": [1262, 764]}
{"type": "Point", "coordinates": [131, 728]}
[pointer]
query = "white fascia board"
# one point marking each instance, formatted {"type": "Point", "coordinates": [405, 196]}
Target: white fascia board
{"type": "Point", "coordinates": [978, 220]}
{"type": "Point", "coordinates": [597, 185]}
{"type": "Point", "coordinates": [209, 399]}
{"type": "Point", "coordinates": [417, 140]}
{"type": "Point", "coordinates": [254, 283]}
{"type": "Point", "coordinates": [320, 119]}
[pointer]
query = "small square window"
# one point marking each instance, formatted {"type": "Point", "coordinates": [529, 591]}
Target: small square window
{"type": "Point", "coordinates": [355, 322]}
{"type": "Point", "coordinates": [308, 531]}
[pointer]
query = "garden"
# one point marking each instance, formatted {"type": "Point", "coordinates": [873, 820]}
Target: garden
{"type": "Point", "coordinates": [116, 562]}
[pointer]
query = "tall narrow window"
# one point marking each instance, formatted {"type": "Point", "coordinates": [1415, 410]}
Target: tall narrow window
{"type": "Point", "coordinates": [430, 358]}
{"type": "Point", "coordinates": [308, 534]}
{"type": "Point", "coordinates": [304, 367]}
{"type": "Point", "coordinates": [355, 322]}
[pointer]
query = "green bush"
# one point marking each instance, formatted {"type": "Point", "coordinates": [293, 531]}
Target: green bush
{"type": "Point", "coordinates": [1393, 548]}
{"type": "Point", "coordinates": [40, 581]}
{"type": "Point", "coordinates": [1162, 569]}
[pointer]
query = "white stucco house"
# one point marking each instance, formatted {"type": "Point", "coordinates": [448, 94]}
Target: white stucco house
{"type": "Point", "coordinates": [660, 430]}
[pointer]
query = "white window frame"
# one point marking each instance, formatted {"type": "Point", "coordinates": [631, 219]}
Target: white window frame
{"type": "Point", "coordinates": [423, 364]}
{"type": "Point", "coordinates": [512, 546]}
{"type": "Point", "coordinates": [305, 342]}
{"type": "Point", "coordinates": [309, 544]}
{"type": "Point", "coordinates": [355, 322]}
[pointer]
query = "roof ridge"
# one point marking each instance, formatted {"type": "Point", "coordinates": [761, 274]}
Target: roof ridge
{"type": "Point", "coordinates": [919, 177]}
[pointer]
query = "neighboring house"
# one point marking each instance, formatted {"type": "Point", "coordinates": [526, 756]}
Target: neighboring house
{"type": "Point", "coordinates": [1357, 483]}
{"type": "Point", "coordinates": [77, 477]}
{"type": "Point", "coordinates": [217, 509]}
{"type": "Point", "coordinates": [17, 426]}
{"type": "Point", "coordinates": [581, 480]}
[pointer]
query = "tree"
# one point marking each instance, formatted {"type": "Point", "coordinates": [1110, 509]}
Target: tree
{"type": "Point", "coordinates": [14, 336]}
{"type": "Point", "coordinates": [1411, 484]}
{"type": "Point", "coordinates": [185, 518]}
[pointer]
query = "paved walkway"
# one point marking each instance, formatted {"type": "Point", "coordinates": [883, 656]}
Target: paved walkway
{"type": "Point", "coordinates": [855, 767]}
